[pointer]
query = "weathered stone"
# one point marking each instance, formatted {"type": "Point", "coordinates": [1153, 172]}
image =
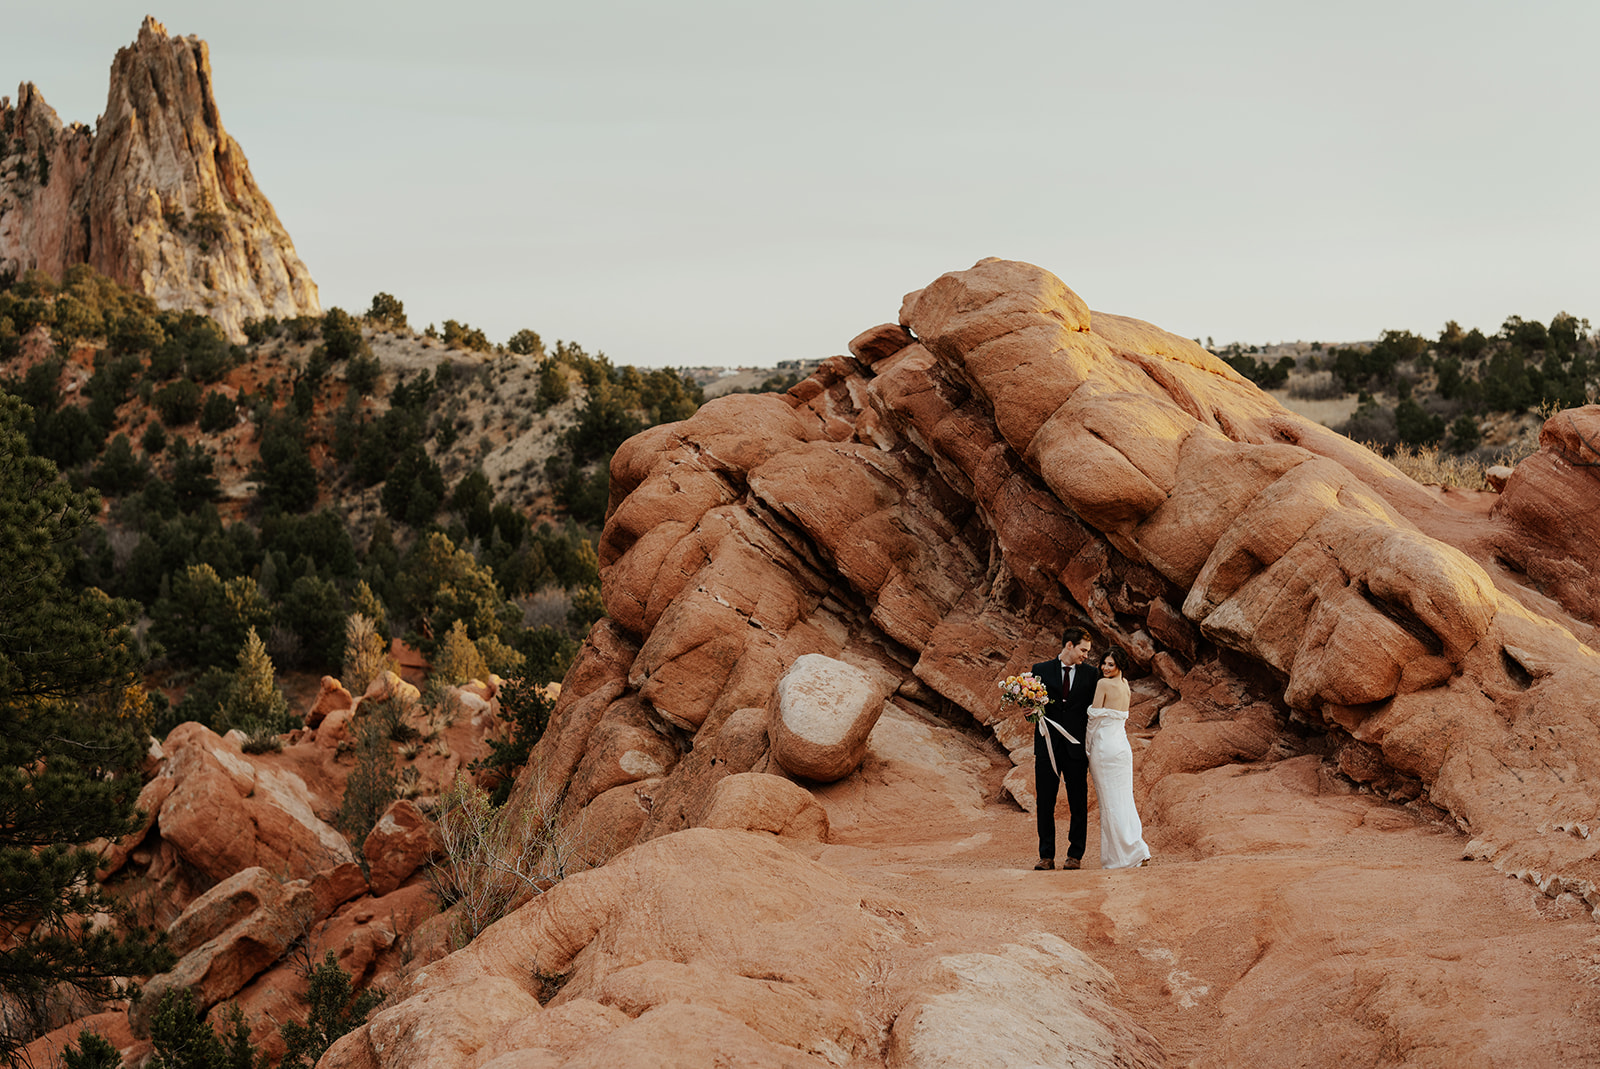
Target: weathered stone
{"type": "Point", "coordinates": [874, 344]}
{"type": "Point", "coordinates": [755, 801]}
{"type": "Point", "coordinates": [227, 936]}
{"type": "Point", "coordinates": [222, 907]}
{"type": "Point", "coordinates": [224, 814]}
{"type": "Point", "coordinates": [151, 798]}
{"type": "Point", "coordinates": [1546, 509]}
{"type": "Point", "coordinates": [1042, 1002]}
{"type": "Point", "coordinates": [820, 716]}
{"type": "Point", "coordinates": [400, 843]}
{"type": "Point", "coordinates": [390, 687]}
{"type": "Point", "coordinates": [331, 697]}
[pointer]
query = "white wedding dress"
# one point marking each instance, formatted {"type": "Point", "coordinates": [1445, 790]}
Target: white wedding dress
{"type": "Point", "coordinates": [1122, 843]}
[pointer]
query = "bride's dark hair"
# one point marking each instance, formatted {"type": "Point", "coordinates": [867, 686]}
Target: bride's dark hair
{"type": "Point", "coordinates": [1118, 658]}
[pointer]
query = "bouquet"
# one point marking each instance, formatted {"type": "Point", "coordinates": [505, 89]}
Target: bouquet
{"type": "Point", "coordinates": [1026, 690]}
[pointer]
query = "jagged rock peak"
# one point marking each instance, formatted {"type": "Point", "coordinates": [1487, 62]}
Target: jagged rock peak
{"type": "Point", "coordinates": [157, 196]}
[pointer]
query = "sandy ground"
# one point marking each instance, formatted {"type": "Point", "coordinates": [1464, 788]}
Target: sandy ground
{"type": "Point", "coordinates": [1285, 919]}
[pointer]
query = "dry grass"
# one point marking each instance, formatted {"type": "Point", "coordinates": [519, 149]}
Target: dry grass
{"type": "Point", "coordinates": [1431, 466]}
{"type": "Point", "coordinates": [1315, 386]}
{"type": "Point", "coordinates": [497, 856]}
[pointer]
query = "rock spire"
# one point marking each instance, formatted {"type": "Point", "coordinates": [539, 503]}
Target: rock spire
{"type": "Point", "coordinates": [158, 196]}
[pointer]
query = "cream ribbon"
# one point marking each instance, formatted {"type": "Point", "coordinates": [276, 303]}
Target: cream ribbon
{"type": "Point", "coordinates": [1049, 746]}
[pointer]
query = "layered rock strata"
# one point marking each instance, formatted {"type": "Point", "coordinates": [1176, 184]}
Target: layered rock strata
{"type": "Point", "coordinates": [1000, 463]}
{"type": "Point", "coordinates": [1313, 633]}
{"type": "Point", "coordinates": [158, 196]}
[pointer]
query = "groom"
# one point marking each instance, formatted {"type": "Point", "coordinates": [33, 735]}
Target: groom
{"type": "Point", "coordinates": [1061, 757]}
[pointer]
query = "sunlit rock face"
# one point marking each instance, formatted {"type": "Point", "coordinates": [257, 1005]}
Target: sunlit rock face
{"type": "Point", "coordinates": [1000, 463]}
{"type": "Point", "coordinates": [158, 196]}
{"type": "Point", "coordinates": [1316, 638]}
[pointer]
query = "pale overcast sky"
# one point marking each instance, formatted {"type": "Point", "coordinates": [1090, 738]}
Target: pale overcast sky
{"type": "Point", "coordinates": [737, 182]}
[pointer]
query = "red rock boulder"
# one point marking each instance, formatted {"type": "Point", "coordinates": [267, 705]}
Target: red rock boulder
{"type": "Point", "coordinates": [820, 716]}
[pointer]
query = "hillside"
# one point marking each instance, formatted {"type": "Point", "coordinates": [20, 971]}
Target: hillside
{"type": "Point", "coordinates": [318, 456]}
{"type": "Point", "coordinates": [1463, 399]}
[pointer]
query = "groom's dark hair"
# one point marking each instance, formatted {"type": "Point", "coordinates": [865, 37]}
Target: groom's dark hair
{"type": "Point", "coordinates": [1072, 636]}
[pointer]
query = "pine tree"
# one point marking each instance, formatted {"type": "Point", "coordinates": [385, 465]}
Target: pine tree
{"type": "Point", "coordinates": [458, 659]}
{"type": "Point", "coordinates": [374, 780]}
{"type": "Point", "coordinates": [93, 1051]}
{"type": "Point", "coordinates": [255, 703]}
{"type": "Point", "coordinates": [366, 602]}
{"type": "Point", "coordinates": [366, 655]}
{"type": "Point", "coordinates": [181, 1038]}
{"type": "Point", "coordinates": [335, 1010]}
{"type": "Point", "coordinates": [68, 774]}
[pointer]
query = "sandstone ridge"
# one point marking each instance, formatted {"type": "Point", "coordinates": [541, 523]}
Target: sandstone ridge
{"type": "Point", "coordinates": [1345, 683]}
{"type": "Point", "coordinates": [999, 464]}
{"type": "Point", "coordinates": [158, 196]}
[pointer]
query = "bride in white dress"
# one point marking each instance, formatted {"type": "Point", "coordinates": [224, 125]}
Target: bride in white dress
{"type": "Point", "coordinates": [1122, 843]}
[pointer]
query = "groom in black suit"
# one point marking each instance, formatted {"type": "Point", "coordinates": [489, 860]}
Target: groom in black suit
{"type": "Point", "coordinates": [1061, 757]}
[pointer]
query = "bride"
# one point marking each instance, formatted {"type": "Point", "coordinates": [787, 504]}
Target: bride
{"type": "Point", "coordinates": [1122, 843]}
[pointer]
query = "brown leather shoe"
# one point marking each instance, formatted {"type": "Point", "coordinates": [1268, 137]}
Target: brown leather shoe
{"type": "Point", "coordinates": [1072, 863]}
{"type": "Point", "coordinates": [1044, 863]}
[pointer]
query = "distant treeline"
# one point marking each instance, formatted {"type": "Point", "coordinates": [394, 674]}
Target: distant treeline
{"type": "Point", "coordinates": [1444, 386]}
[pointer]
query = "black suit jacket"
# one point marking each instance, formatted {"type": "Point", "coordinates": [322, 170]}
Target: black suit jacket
{"type": "Point", "coordinates": [1070, 710]}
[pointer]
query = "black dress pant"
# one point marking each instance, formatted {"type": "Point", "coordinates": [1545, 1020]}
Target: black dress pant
{"type": "Point", "coordinates": [1075, 774]}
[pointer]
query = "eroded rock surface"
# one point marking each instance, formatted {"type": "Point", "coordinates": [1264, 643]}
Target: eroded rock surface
{"type": "Point", "coordinates": [1001, 462]}
{"type": "Point", "coordinates": [1348, 692]}
{"type": "Point", "coordinates": [1549, 502]}
{"type": "Point", "coordinates": [709, 944]}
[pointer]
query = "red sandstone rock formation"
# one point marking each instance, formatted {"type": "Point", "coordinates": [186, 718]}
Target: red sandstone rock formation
{"type": "Point", "coordinates": [238, 858]}
{"type": "Point", "coordinates": [1551, 534]}
{"type": "Point", "coordinates": [1001, 463]}
{"type": "Point", "coordinates": [1313, 633]}
{"type": "Point", "coordinates": [158, 196]}
{"type": "Point", "coordinates": [1338, 668]}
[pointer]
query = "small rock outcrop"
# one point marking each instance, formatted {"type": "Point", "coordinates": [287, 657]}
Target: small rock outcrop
{"type": "Point", "coordinates": [227, 936]}
{"type": "Point", "coordinates": [157, 196]}
{"type": "Point", "coordinates": [755, 801]}
{"type": "Point", "coordinates": [226, 814]}
{"type": "Point", "coordinates": [1549, 503]}
{"type": "Point", "coordinates": [400, 843]}
{"type": "Point", "coordinates": [238, 859]}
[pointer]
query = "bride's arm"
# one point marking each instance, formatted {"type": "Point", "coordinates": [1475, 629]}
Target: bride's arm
{"type": "Point", "coordinates": [1101, 694]}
